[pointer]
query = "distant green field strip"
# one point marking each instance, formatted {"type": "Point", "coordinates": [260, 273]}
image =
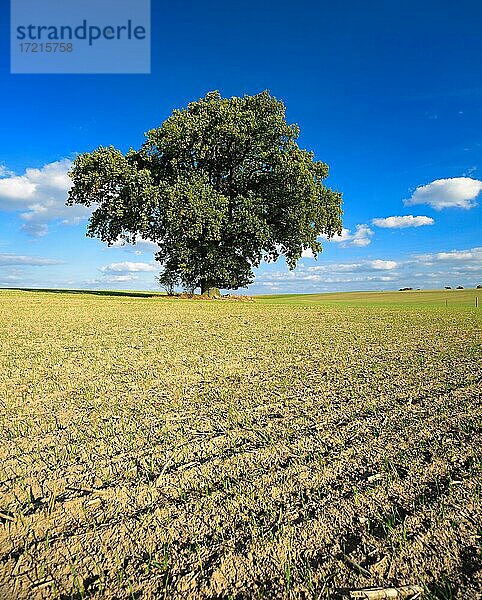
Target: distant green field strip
{"type": "Point", "coordinates": [430, 297]}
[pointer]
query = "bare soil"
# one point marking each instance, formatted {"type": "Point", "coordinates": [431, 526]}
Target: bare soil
{"type": "Point", "coordinates": [152, 448]}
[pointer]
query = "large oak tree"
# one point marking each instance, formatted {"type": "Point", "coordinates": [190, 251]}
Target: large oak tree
{"type": "Point", "coordinates": [220, 186]}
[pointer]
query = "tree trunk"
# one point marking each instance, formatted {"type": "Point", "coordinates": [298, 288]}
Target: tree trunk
{"type": "Point", "coordinates": [209, 288]}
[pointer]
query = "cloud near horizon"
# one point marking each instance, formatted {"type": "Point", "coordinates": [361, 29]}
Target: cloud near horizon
{"type": "Point", "coordinates": [128, 267]}
{"type": "Point", "coordinates": [455, 267]}
{"type": "Point", "coordinates": [31, 261]}
{"type": "Point", "coordinates": [472, 256]}
{"type": "Point", "coordinates": [456, 192]}
{"type": "Point", "coordinates": [119, 278]}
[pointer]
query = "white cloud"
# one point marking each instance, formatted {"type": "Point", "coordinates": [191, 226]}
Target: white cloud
{"type": "Point", "coordinates": [474, 255]}
{"type": "Point", "coordinates": [100, 282]}
{"type": "Point", "coordinates": [119, 278]}
{"type": "Point", "coordinates": [141, 245]}
{"type": "Point", "coordinates": [364, 265]}
{"type": "Point", "coordinates": [16, 188]}
{"type": "Point", "coordinates": [33, 261]}
{"type": "Point", "coordinates": [383, 265]}
{"type": "Point", "coordinates": [40, 194]}
{"type": "Point", "coordinates": [128, 267]}
{"type": "Point", "coordinates": [345, 235]}
{"type": "Point", "coordinates": [291, 281]}
{"type": "Point", "coordinates": [35, 229]}
{"type": "Point", "coordinates": [4, 172]}
{"type": "Point", "coordinates": [457, 192]}
{"type": "Point", "coordinates": [402, 222]}
{"type": "Point", "coordinates": [361, 237]}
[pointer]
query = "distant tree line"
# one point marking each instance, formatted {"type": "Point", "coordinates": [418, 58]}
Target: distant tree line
{"type": "Point", "coordinates": [447, 287]}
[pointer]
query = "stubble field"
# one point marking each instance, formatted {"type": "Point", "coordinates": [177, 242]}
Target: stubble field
{"type": "Point", "coordinates": [163, 448]}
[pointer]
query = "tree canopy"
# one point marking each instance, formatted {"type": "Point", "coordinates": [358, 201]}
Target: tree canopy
{"type": "Point", "coordinates": [220, 186]}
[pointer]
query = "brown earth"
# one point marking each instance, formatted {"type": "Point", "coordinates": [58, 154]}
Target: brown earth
{"type": "Point", "coordinates": [160, 449]}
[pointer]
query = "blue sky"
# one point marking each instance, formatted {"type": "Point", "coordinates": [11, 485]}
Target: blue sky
{"type": "Point", "coordinates": [388, 93]}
